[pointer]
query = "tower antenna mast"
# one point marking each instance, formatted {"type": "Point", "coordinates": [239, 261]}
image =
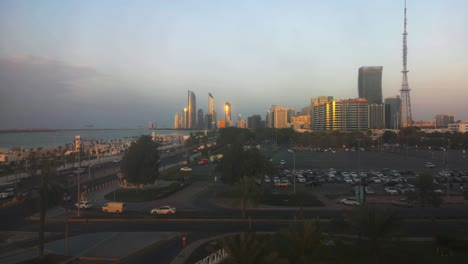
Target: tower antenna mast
{"type": "Point", "coordinates": [406, 116]}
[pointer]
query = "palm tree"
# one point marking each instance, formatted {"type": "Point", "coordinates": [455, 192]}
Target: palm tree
{"type": "Point", "coordinates": [247, 193]}
{"type": "Point", "coordinates": [50, 193]}
{"type": "Point", "coordinates": [305, 240]}
{"type": "Point", "coordinates": [376, 225]}
{"type": "Point", "coordinates": [247, 248]}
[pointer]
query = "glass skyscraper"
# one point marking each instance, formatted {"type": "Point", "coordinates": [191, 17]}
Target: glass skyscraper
{"type": "Point", "coordinates": [370, 84]}
{"type": "Point", "coordinates": [192, 110]}
{"type": "Point", "coordinates": [392, 112]}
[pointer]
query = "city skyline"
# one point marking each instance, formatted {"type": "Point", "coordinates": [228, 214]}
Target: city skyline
{"type": "Point", "coordinates": [71, 76]}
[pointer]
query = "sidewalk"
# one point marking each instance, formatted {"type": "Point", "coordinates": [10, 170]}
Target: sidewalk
{"type": "Point", "coordinates": [111, 246]}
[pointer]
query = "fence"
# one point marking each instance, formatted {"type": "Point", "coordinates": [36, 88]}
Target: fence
{"type": "Point", "coordinates": [214, 258]}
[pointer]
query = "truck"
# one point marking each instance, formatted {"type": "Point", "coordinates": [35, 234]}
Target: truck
{"type": "Point", "coordinates": [114, 207]}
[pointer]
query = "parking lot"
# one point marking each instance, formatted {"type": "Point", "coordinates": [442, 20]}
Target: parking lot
{"type": "Point", "coordinates": [390, 175]}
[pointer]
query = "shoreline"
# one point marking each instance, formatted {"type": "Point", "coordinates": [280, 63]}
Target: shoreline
{"type": "Point", "coordinates": [39, 130]}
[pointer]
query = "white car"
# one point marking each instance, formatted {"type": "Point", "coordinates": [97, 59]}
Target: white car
{"type": "Point", "coordinates": [7, 193]}
{"type": "Point", "coordinates": [369, 190]}
{"type": "Point", "coordinates": [391, 190]}
{"type": "Point", "coordinates": [84, 205]}
{"type": "Point", "coordinates": [276, 180]}
{"type": "Point", "coordinates": [376, 180]}
{"type": "Point", "coordinates": [301, 179]}
{"type": "Point", "coordinates": [267, 179]}
{"type": "Point", "coordinates": [185, 169]}
{"type": "Point", "coordinates": [167, 210]}
{"type": "Point", "coordinates": [429, 165]}
{"type": "Point", "coordinates": [348, 180]}
{"type": "Point", "coordinates": [282, 162]}
{"type": "Point", "coordinates": [349, 201]}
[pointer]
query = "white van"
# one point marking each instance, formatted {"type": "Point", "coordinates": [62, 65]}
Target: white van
{"type": "Point", "coordinates": [114, 208]}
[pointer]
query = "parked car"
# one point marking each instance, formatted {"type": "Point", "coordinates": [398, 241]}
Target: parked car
{"type": "Point", "coordinates": [429, 165]}
{"type": "Point", "coordinates": [84, 205]}
{"type": "Point", "coordinates": [284, 181]}
{"type": "Point", "coordinates": [391, 190]}
{"type": "Point", "coordinates": [301, 179]}
{"type": "Point", "coordinates": [167, 210]}
{"type": "Point", "coordinates": [276, 180]}
{"type": "Point", "coordinates": [369, 190]}
{"type": "Point", "coordinates": [349, 201]}
{"type": "Point", "coordinates": [8, 193]}
{"type": "Point", "coordinates": [266, 179]}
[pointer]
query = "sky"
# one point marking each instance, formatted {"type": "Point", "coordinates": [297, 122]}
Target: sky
{"type": "Point", "coordinates": [119, 64]}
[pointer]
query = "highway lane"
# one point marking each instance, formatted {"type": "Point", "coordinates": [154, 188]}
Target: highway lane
{"type": "Point", "coordinates": [414, 228]}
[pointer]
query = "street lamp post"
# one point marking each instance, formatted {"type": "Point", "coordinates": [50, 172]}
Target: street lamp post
{"type": "Point", "coordinates": [294, 174]}
{"type": "Point", "coordinates": [446, 165]}
{"type": "Point", "coordinates": [78, 182]}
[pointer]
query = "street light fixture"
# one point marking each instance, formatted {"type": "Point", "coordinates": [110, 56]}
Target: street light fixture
{"type": "Point", "coordinates": [294, 170]}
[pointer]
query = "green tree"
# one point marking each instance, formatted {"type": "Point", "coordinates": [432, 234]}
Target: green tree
{"type": "Point", "coordinates": [140, 164]}
{"type": "Point", "coordinates": [425, 191]}
{"type": "Point", "coordinates": [247, 248]}
{"type": "Point", "coordinates": [377, 226]}
{"type": "Point", "coordinates": [305, 240]}
{"type": "Point", "coordinates": [247, 193]}
{"type": "Point", "coordinates": [389, 137]}
{"type": "Point", "coordinates": [238, 162]}
{"type": "Point", "coordinates": [50, 192]}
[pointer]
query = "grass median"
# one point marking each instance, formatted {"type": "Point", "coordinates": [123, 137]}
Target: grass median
{"type": "Point", "coordinates": [144, 195]}
{"type": "Point", "coordinates": [298, 199]}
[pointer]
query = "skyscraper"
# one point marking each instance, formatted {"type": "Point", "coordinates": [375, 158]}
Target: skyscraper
{"type": "Point", "coordinates": [392, 112]}
{"type": "Point", "coordinates": [176, 121]}
{"type": "Point", "coordinates": [376, 116]}
{"type": "Point", "coordinates": [370, 84]}
{"type": "Point", "coordinates": [211, 112]}
{"type": "Point", "coordinates": [316, 101]}
{"type": "Point", "coordinates": [254, 121]}
{"type": "Point", "coordinates": [200, 119]}
{"type": "Point", "coordinates": [192, 110]}
{"type": "Point", "coordinates": [227, 114]}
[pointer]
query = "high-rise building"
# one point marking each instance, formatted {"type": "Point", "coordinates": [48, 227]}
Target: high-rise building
{"type": "Point", "coordinates": [176, 121]}
{"type": "Point", "coordinates": [392, 112]}
{"type": "Point", "coordinates": [241, 123]}
{"type": "Point", "coordinates": [278, 117]}
{"type": "Point", "coordinates": [211, 112]}
{"type": "Point", "coordinates": [210, 104]}
{"type": "Point", "coordinates": [316, 101]}
{"type": "Point", "coordinates": [342, 115]}
{"type": "Point", "coordinates": [443, 120]}
{"type": "Point", "coordinates": [377, 116]}
{"type": "Point", "coordinates": [227, 114]}
{"type": "Point", "coordinates": [200, 119]}
{"type": "Point", "coordinates": [269, 119]}
{"type": "Point", "coordinates": [370, 84]}
{"type": "Point", "coordinates": [192, 108]}
{"type": "Point", "coordinates": [185, 118]}
{"type": "Point", "coordinates": [254, 121]}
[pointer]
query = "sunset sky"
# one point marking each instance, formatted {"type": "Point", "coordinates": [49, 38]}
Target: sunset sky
{"type": "Point", "coordinates": [115, 64]}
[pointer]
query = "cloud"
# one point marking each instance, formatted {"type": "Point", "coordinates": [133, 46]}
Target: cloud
{"type": "Point", "coordinates": [37, 92]}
